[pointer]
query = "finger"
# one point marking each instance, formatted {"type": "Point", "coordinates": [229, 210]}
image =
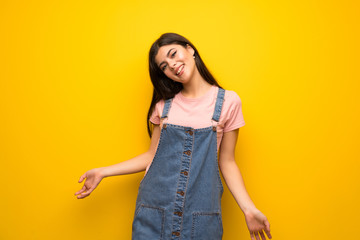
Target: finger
{"type": "Point", "coordinates": [268, 234]}
{"type": "Point", "coordinates": [267, 224]}
{"type": "Point", "coordinates": [81, 190]}
{"type": "Point", "coordinates": [83, 195]}
{"type": "Point", "coordinates": [267, 229]}
{"type": "Point", "coordinates": [262, 235]}
{"type": "Point", "coordinates": [88, 191]}
{"type": "Point", "coordinates": [252, 236]}
{"type": "Point", "coordinates": [82, 178]}
{"type": "Point", "coordinates": [256, 235]}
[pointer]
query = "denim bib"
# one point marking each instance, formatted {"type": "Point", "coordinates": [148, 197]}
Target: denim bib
{"type": "Point", "coordinates": [180, 195]}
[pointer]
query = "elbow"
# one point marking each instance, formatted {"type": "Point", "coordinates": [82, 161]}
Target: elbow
{"type": "Point", "coordinates": [226, 162]}
{"type": "Point", "coordinates": [150, 154]}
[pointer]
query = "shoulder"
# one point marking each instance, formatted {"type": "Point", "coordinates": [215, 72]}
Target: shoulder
{"type": "Point", "coordinates": [160, 103]}
{"type": "Point", "coordinates": [156, 112]}
{"type": "Point", "coordinates": [159, 106]}
{"type": "Point", "coordinates": [232, 108]}
{"type": "Point", "coordinates": [231, 98]}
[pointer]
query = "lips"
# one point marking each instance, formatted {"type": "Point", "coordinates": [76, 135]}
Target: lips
{"type": "Point", "coordinates": [179, 69]}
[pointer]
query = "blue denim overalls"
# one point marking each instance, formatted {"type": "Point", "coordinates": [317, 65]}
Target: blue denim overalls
{"type": "Point", "coordinates": [180, 195]}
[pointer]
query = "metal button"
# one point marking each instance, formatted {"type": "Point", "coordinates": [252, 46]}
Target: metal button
{"type": "Point", "coordinates": [178, 213]}
{"type": "Point", "coordinates": [188, 152]}
{"type": "Point", "coordinates": [176, 233]}
{"type": "Point", "coordinates": [164, 126]}
{"type": "Point", "coordinates": [185, 173]}
{"type": "Point", "coordinates": [190, 132]}
{"type": "Point", "coordinates": [181, 193]}
{"type": "Point", "coordinates": [214, 128]}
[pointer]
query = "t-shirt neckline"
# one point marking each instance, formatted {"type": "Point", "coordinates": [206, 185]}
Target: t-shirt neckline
{"type": "Point", "coordinates": [187, 99]}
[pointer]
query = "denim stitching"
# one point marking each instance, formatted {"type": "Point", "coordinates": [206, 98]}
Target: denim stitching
{"type": "Point", "coordinates": [187, 127]}
{"type": "Point", "coordinates": [162, 213]}
{"type": "Point", "coordinates": [187, 181]}
{"type": "Point", "coordinates": [167, 107]}
{"type": "Point", "coordinates": [178, 180]}
{"type": "Point", "coordinates": [195, 216]}
{"type": "Point", "coordinates": [218, 104]}
{"type": "Point", "coordinates": [193, 227]}
{"type": "Point", "coordinates": [156, 153]}
{"type": "Point", "coordinates": [217, 168]}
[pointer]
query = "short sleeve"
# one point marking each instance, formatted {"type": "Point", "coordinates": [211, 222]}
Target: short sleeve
{"type": "Point", "coordinates": [155, 116]}
{"type": "Point", "coordinates": [235, 118]}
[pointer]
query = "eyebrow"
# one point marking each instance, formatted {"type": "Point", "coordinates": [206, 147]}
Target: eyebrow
{"type": "Point", "coordinates": [167, 56]}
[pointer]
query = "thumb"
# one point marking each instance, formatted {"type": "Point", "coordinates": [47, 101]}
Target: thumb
{"type": "Point", "coordinates": [267, 228]}
{"type": "Point", "coordinates": [267, 225]}
{"type": "Point", "coordinates": [82, 178]}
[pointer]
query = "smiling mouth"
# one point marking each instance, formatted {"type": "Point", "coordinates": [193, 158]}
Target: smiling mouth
{"type": "Point", "coordinates": [180, 70]}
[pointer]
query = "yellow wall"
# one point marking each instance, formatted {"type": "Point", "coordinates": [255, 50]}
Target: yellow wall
{"type": "Point", "coordinates": [75, 90]}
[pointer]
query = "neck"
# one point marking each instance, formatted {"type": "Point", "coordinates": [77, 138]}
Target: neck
{"type": "Point", "coordinates": [196, 87]}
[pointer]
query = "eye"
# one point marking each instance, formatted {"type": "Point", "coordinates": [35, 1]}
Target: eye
{"type": "Point", "coordinates": [172, 55]}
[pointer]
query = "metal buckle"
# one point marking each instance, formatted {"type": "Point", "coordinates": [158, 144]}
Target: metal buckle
{"type": "Point", "coordinates": [214, 126]}
{"type": "Point", "coordinates": [162, 124]}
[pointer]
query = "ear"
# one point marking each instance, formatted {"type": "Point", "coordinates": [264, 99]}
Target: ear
{"type": "Point", "coordinates": [190, 49]}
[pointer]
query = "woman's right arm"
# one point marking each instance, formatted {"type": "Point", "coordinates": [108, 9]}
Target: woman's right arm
{"type": "Point", "coordinates": [139, 163]}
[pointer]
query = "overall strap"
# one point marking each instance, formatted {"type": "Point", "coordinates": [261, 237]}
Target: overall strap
{"type": "Point", "coordinates": [166, 108]}
{"type": "Point", "coordinates": [218, 104]}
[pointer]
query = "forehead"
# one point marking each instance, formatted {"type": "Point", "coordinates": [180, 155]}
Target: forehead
{"type": "Point", "coordinates": [163, 50]}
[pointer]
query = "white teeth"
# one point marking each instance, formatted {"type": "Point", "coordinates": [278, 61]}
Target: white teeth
{"type": "Point", "coordinates": [182, 66]}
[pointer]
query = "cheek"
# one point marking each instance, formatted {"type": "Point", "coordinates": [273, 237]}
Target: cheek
{"type": "Point", "coordinates": [182, 57]}
{"type": "Point", "coordinates": [168, 73]}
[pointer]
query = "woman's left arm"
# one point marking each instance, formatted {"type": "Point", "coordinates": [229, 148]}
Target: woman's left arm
{"type": "Point", "coordinates": [255, 220]}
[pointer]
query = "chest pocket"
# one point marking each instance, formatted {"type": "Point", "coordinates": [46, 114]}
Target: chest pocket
{"type": "Point", "coordinates": [206, 226]}
{"type": "Point", "coordinates": [148, 223]}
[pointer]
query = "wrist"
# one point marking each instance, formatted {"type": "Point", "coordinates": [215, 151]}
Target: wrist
{"type": "Point", "coordinates": [102, 172]}
{"type": "Point", "coordinates": [250, 211]}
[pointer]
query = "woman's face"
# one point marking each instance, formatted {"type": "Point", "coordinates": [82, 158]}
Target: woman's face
{"type": "Point", "coordinates": [176, 62]}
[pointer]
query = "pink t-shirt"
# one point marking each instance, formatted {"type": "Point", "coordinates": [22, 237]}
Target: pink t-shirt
{"type": "Point", "coordinates": [198, 112]}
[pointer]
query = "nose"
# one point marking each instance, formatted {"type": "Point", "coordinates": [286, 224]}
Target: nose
{"type": "Point", "coordinates": [172, 64]}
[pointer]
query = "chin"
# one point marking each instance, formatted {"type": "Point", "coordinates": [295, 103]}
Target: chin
{"type": "Point", "coordinates": [180, 81]}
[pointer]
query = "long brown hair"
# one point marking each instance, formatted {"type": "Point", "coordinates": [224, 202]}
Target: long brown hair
{"type": "Point", "coordinates": [164, 87]}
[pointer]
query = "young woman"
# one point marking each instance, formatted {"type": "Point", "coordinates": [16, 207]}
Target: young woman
{"type": "Point", "coordinates": [195, 128]}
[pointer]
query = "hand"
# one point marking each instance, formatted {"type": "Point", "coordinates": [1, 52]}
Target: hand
{"type": "Point", "coordinates": [256, 223]}
{"type": "Point", "coordinates": [93, 178]}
